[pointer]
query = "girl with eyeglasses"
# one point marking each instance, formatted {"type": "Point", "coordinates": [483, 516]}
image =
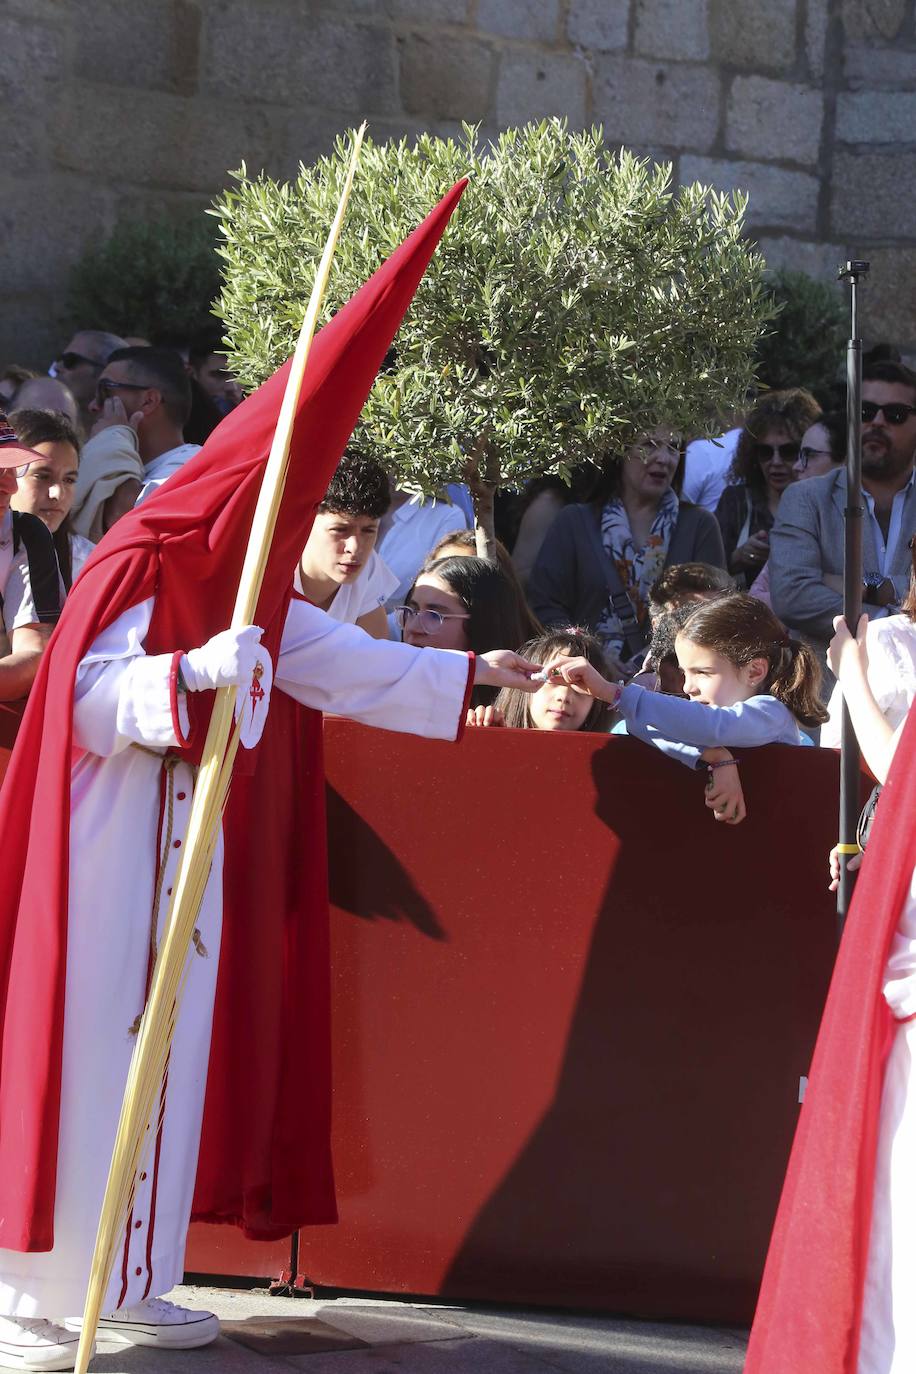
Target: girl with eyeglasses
{"type": "Point", "coordinates": [466, 604]}
{"type": "Point", "coordinates": [763, 466]}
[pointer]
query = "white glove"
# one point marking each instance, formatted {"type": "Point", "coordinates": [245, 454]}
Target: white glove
{"type": "Point", "coordinates": [226, 660]}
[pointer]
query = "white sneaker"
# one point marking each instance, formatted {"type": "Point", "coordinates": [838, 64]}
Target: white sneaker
{"type": "Point", "coordinates": [161, 1323]}
{"type": "Point", "coordinates": [34, 1343]}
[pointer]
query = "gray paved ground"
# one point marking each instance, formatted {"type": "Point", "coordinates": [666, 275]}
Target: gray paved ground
{"type": "Point", "coordinates": [265, 1335]}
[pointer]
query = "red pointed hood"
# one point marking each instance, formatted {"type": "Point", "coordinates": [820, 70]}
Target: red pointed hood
{"type": "Point", "coordinates": [185, 546]}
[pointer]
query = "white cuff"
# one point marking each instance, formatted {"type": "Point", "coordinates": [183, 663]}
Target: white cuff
{"type": "Point", "coordinates": [144, 703]}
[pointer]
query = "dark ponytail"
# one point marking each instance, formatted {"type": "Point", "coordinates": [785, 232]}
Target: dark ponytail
{"type": "Point", "coordinates": [795, 680]}
{"type": "Point", "coordinates": [741, 628]}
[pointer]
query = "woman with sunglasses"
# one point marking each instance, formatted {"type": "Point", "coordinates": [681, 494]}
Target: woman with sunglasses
{"type": "Point", "coordinates": [466, 604]}
{"type": "Point", "coordinates": [763, 466]}
{"type": "Point", "coordinates": [822, 449]}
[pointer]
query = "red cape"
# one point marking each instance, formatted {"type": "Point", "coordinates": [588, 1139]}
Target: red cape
{"type": "Point", "coordinates": [809, 1310]}
{"type": "Point", "coordinates": [185, 547]}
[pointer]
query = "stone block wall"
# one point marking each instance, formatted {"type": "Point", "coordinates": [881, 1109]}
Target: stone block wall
{"type": "Point", "coordinates": [138, 107]}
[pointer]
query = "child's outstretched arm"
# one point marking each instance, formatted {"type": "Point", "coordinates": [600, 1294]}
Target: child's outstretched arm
{"type": "Point", "coordinates": [760, 720]}
{"type": "Point", "coordinates": [587, 679]}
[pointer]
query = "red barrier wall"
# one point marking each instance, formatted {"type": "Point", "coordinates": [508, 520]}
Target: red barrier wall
{"type": "Point", "coordinates": [570, 1016]}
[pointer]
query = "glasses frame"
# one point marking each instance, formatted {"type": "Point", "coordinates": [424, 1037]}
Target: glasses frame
{"type": "Point", "coordinates": [805, 454]}
{"type": "Point", "coordinates": [904, 410]}
{"type": "Point", "coordinates": [651, 451]}
{"type": "Point", "coordinates": [108, 384]}
{"type": "Point", "coordinates": [76, 359]}
{"type": "Point", "coordinates": [765, 453]}
{"type": "Point", "coordinates": [403, 614]}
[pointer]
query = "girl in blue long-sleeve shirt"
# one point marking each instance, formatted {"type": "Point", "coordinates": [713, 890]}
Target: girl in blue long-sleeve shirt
{"type": "Point", "coordinates": [746, 681]}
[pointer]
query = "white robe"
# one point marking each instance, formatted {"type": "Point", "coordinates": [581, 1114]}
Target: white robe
{"type": "Point", "coordinates": [121, 702]}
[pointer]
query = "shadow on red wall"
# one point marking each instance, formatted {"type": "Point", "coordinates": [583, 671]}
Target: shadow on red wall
{"type": "Point", "coordinates": [570, 1018]}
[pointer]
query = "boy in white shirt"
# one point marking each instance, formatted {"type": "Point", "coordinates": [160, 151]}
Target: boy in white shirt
{"type": "Point", "coordinates": [339, 570]}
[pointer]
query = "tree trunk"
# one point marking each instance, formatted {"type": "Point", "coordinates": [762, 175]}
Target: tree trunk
{"type": "Point", "coordinates": [482, 476]}
{"type": "Point", "coordinates": [484, 528]}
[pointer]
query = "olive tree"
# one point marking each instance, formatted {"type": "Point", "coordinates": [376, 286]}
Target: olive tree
{"type": "Point", "coordinates": [575, 301]}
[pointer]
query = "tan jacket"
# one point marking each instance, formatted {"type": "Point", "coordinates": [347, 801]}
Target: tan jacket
{"type": "Point", "coordinates": [109, 459]}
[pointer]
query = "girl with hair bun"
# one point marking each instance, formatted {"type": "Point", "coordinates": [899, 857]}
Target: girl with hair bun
{"type": "Point", "coordinates": [746, 681]}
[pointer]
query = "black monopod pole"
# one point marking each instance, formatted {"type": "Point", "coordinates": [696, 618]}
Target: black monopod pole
{"type": "Point", "coordinates": [852, 587]}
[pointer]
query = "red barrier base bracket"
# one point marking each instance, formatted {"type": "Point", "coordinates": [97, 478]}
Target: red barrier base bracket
{"type": "Point", "coordinates": [290, 1283]}
{"type": "Point", "coordinates": [286, 1285]}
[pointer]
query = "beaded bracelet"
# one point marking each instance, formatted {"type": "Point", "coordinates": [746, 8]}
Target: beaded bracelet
{"type": "Point", "coordinates": [721, 763]}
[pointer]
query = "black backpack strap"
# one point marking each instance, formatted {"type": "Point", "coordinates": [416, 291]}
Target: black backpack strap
{"type": "Point", "coordinates": [635, 636]}
{"type": "Point", "coordinates": [44, 572]}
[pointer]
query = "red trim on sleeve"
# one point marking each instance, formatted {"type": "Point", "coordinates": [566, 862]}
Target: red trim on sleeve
{"type": "Point", "coordinates": [904, 1020]}
{"type": "Point", "coordinates": [183, 740]}
{"type": "Point", "coordinates": [469, 687]}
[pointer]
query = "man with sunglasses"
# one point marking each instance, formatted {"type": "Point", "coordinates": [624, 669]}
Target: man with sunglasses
{"type": "Point", "coordinates": [80, 365]}
{"type": "Point", "coordinates": [808, 538]}
{"type": "Point", "coordinates": [141, 404]}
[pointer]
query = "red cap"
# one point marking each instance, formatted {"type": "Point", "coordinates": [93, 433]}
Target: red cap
{"type": "Point", "coordinates": [13, 454]}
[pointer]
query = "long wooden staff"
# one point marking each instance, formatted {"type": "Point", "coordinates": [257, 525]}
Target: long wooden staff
{"type": "Point", "coordinates": [158, 1023]}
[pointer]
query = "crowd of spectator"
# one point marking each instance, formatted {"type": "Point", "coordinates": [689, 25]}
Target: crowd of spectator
{"type": "Point", "coordinates": [606, 572]}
